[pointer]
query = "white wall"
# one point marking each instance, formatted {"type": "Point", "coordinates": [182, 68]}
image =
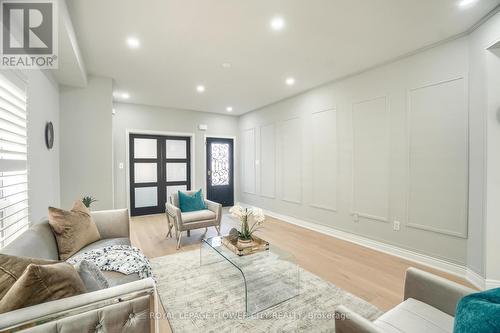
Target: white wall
{"type": "Point", "coordinates": [388, 145]}
{"type": "Point", "coordinates": [43, 164]}
{"type": "Point", "coordinates": [484, 246]}
{"type": "Point", "coordinates": [158, 119]}
{"type": "Point", "coordinates": [86, 143]}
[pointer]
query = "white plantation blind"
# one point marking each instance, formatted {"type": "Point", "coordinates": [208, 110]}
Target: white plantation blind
{"type": "Point", "coordinates": [13, 157]}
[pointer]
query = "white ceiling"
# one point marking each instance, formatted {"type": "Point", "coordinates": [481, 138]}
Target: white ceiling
{"type": "Point", "coordinates": [185, 42]}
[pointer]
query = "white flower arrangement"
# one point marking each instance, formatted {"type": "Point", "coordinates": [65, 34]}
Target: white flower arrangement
{"type": "Point", "coordinates": [247, 216]}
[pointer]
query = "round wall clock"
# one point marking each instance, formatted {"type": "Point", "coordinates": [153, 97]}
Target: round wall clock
{"type": "Point", "coordinates": [49, 135]}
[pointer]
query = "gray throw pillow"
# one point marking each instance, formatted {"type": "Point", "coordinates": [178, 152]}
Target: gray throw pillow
{"type": "Point", "coordinates": [91, 276]}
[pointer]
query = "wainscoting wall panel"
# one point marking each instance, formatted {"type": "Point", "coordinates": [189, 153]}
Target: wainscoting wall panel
{"type": "Point", "coordinates": [267, 161]}
{"type": "Point", "coordinates": [248, 179]}
{"type": "Point", "coordinates": [290, 140]}
{"type": "Point", "coordinates": [438, 159]}
{"type": "Point", "coordinates": [324, 159]}
{"type": "Point", "coordinates": [371, 155]}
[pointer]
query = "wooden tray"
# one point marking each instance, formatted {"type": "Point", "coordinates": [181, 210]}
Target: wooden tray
{"type": "Point", "coordinates": [257, 245]}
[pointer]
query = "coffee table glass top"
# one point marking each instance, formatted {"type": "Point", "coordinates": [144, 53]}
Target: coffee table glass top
{"type": "Point", "coordinates": [265, 278]}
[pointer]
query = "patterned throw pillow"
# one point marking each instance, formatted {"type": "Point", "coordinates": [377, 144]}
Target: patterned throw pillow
{"type": "Point", "coordinates": [73, 229]}
{"type": "Point", "coordinates": [42, 283]}
{"type": "Point", "coordinates": [191, 202]}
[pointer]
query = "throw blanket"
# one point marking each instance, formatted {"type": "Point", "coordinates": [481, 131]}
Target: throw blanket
{"type": "Point", "coordinates": [119, 258]}
{"type": "Point", "coordinates": [479, 313]}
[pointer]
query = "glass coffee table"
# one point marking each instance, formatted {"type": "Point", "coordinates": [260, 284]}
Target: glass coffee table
{"type": "Point", "coordinates": [267, 278]}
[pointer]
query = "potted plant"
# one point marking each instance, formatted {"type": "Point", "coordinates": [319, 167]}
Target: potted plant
{"type": "Point", "coordinates": [251, 220]}
{"type": "Point", "coordinates": [88, 200]}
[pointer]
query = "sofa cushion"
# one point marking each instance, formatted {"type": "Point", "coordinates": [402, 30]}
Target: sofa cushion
{"type": "Point", "coordinates": [73, 229]}
{"type": "Point", "coordinates": [103, 243]}
{"type": "Point", "coordinates": [91, 275]}
{"type": "Point", "coordinates": [36, 242]}
{"type": "Point", "coordinates": [42, 283]}
{"type": "Point", "coordinates": [413, 316]}
{"type": "Point", "coordinates": [11, 269]}
{"type": "Point", "coordinates": [199, 215]}
{"type": "Point", "coordinates": [117, 278]}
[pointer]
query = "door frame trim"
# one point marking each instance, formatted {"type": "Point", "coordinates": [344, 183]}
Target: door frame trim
{"type": "Point", "coordinates": [235, 163]}
{"type": "Point", "coordinates": [129, 131]}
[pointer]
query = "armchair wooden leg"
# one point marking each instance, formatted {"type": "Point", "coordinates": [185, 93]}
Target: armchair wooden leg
{"type": "Point", "coordinates": [179, 240]}
{"type": "Point", "coordinates": [169, 233]}
{"type": "Point", "coordinates": [218, 229]}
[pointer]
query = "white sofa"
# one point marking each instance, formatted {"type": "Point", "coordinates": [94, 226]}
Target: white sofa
{"type": "Point", "coordinates": [124, 307]}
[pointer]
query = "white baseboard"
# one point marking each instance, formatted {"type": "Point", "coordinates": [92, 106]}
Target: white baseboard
{"type": "Point", "coordinates": [490, 284]}
{"type": "Point", "coordinates": [437, 263]}
{"type": "Point", "coordinates": [475, 279]}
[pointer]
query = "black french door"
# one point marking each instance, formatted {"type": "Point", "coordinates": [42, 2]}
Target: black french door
{"type": "Point", "coordinates": [159, 166]}
{"type": "Point", "coordinates": [220, 171]}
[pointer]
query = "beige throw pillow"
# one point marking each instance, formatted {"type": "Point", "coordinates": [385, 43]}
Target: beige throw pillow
{"type": "Point", "coordinates": [73, 229]}
{"type": "Point", "coordinates": [12, 267]}
{"type": "Point", "coordinates": [42, 283]}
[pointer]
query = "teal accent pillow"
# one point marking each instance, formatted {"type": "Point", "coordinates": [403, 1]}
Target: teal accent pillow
{"type": "Point", "coordinates": [191, 202]}
{"type": "Point", "coordinates": [478, 313]}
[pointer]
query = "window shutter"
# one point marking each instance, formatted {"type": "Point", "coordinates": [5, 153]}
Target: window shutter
{"type": "Point", "coordinates": [13, 157]}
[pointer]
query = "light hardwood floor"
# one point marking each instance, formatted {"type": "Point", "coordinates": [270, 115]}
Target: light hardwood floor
{"type": "Point", "coordinates": [374, 276]}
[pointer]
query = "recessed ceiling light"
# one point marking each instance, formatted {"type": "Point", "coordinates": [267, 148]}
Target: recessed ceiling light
{"type": "Point", "coordinates": [200, 88]}
{"type": "Point", "coordinates": [226, 65]}
{"type": "Point", "coordinates": [277, 23]}
{"type": "Point", "coordinates": [133, 42]}
{"type": "Point", "coordinates": [229, 109]}
{"type": "Point", "coordinates": [466, 3]}
{"type": "Point", "coordinates": [290, 81]}
{"type": "Point", "coordinates": [121, 95]}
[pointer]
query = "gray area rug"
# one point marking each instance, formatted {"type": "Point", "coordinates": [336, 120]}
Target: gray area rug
{"type": "Point", "coordinates": [210, 297]}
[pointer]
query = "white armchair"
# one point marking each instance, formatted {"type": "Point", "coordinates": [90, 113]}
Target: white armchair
{"type": "Point", "coordinates": [210, 217]}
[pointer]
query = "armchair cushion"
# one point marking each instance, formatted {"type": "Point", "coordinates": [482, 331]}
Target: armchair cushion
{"type": "Point", "coordinates": [190, 202]}
{"type": "Point", "coordinates": [413, 316]}
{"type": "Point", "coordinates": [200, 215]}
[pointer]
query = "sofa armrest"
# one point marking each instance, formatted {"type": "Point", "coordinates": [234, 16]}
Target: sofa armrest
{"type": "Point", "coordinates": [434, 290]}
{"type": "Point", "coordinates": [112, 223]}
{"type": "Point", "coordinates": [347, 321]}
{"type": "Point", "coordinates": [216, 208]}
{"type": "Point", "coordinates": [94, 304]}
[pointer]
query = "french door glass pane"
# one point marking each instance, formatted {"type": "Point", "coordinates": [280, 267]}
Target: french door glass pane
{"type": "Point", "coordinates": [220, 164]}
{"type": "Point", "coordinates": [145, 173]}
{"type": "Point", "coordinates": [146, 197]}
{"type": "Point", "coordinates": [176, 172]}
{"type": "Point", "coordinates": [145, 148]}
{"type": "Point", "coordinates": [174, 189]}
{"type": "Point", "coordinates": [176, 149]}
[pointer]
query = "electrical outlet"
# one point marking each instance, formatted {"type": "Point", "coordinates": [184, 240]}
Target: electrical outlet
{"type": "Point", "coordinates": [120, 166]}
{"type": "Point", "coordinates": [396, 226]}
{"type": "Point", "coordinates": [355, 217]}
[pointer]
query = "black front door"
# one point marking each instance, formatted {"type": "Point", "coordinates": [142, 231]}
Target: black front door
{"type": "Point", "coordinates": [159, 166]}
{"type": "Point", "coordinates": [220, 173]}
